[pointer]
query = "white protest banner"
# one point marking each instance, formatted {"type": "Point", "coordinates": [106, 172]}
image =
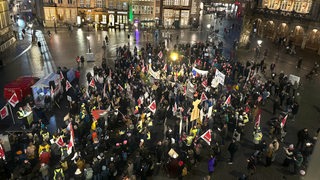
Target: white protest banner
{"type": "Point", "coordinates": [214, 83]}
{"type": "Point", "coordinates": [220, 77]}
{"type": "Point", "coordinates": [190, 90]}
{"type": "Point", "coordinates": [154, 74]}
{"type": "Point", "coordinates": [201, 72]}
{"type": "Point", "coordinates": [293, 79]}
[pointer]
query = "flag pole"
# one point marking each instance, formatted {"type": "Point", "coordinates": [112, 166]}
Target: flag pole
{"type": "Point", "coordinates": [14, 122]}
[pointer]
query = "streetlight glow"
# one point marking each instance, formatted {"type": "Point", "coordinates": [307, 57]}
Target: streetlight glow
{"type": "Point", "coordinates": [174, 56]}
{"type": "Point", "coordinates": [89, 49]}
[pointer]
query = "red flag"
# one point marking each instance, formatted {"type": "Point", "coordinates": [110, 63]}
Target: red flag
{"type": "Point", "coordinates": [175, 107]}
{"type": "Point", "coordinates": [60, 141]}
{"type": "Point", "coordinates": [140, 101]}
{"type": "Point", "coordinates": [207, 136]}
{"type": "Point", "coordinates": [129, 74]}
{"type": "Point", "coordinates": [205, 83]}
{"type": "Point", "coordinates": [2, 152]}
{"type": "Point", "coordinates": [228, 100]}
{"type": "Point", "coordinates": [92, 83]}
{"type": "Point", "coordinates": [165, 68]}
{"type": "Point", "coordinates": [153, 106]}
{"type": "Point", "coordinates": [14, 100]}
{"type": "Point", "coordinates": [96, 114]}
{"type": "Point", "coordinates": [203, 97]}
{"type": "Point", "coordinates": [120, 87]}
{"type": "Point", "coordinates": [61, 75]}
{"type": "Point", "coordinates": [257, 120]}
{"type": "Point", "coordinates": [284, 120]}
{"type": "Point", "coordinates": [68, 85]}
{"type": "Point", "coordinates": [160, 54]}
{"type": "Point", "coordinates": [71, 141]}
{"type": "Point", "coordinates": [4, 112]}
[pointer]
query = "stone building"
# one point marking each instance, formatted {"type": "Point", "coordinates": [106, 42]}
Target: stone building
{"type": "Point", "coordinates": [294, 22]}
{"type": "Point", "coordinates": [6, 34]}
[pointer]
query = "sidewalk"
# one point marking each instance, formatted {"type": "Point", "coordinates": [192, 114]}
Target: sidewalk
{"type": "Point", "coordinates": [17, 49]}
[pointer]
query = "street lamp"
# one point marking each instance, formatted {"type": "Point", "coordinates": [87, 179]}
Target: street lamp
{"type": "Point", "coordinates": [89, 49]}
{"type": "Point", "coordinates": [174, 56]}
{"type": "Point", "coordinates": [259, 42]}
{"type": "Point", "coordinates": [208, 26]}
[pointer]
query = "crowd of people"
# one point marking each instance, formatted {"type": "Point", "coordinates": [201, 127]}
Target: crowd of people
{"type": "Point", "coordinates": [149, 112]}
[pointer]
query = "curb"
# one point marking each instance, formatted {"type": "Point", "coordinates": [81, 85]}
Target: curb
{"type": "Point", "coordinates": [27, 49]}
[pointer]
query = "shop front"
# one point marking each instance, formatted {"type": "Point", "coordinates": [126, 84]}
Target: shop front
{"type": "Point", "coordinates": [118, 19]}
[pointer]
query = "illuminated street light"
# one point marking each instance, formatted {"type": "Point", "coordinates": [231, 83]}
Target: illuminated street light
{"type": "Point", "coordinates": [174, 56]}
{"type": "Point", "coordinates": [208, 32]}
{"type": "Point", "coordinates": [89, 49]}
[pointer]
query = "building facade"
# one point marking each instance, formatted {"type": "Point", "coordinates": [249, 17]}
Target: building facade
{"type": "Point", "coordinates": [144, 13]}
{"type": "Point", "coordinates": [176, 13]}
{"type": "Point", "coordinates": [118, 14]}
{"type": "Point", "coordinates": [59, 12]}
{"type": "Point", "coordinates": [296, 21]}
{"type": "Point", "coordinates": [6, 34]}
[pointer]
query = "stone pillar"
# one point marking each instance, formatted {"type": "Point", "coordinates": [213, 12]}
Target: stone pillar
{"type": "Point", "coordinates": [304, 41]}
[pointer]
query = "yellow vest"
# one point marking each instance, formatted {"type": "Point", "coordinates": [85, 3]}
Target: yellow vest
{"type": "Point", "coordinates": [94, 125]}
{"type": "Point", "coordinates": [148, 135]}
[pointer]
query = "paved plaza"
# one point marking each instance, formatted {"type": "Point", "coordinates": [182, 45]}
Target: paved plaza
{"type": "Point", "coordinates": [61, 49]}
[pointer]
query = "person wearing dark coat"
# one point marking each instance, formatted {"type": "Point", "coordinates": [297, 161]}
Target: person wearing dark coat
{"type": "Point", "coordinates": [233, 147]}
{"type": "Point", "coordinates": [303, 136]}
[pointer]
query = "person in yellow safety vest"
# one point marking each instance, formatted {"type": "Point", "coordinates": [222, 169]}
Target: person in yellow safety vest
{"type": "Point", "coordinates": [193, 131]}
{"type": "Point", "coordinates": [257, 136]}
{"type": "Point", "coordinates": [189, 140]}
{"type": "Point", "coordinates": [94, 125]}
{"type": "Point", "coordinates": [148, 135]}
{"type": "Point", "coordinates": [58, 173]}
{"type": "Point", "coordinates": [64, 151]}
{"type": "Point", "coordinates": [139, 126]}
{"type": "Point", "coordinates": [143, 117]}
{"type": "Point", "coordinates": [43, 146]}
{"type": "Point", "coordinates": [245, 117]}
{"type": "Point", "coordinates": [45, 135]}
{"type": "Point", "coordinates": [20, 113]}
